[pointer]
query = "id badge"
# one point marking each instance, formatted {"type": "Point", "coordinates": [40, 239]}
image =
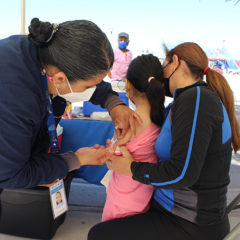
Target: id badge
{"type": "Point", "coordinates": [58, 198]}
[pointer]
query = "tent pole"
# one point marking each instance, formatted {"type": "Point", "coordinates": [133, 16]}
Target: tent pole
{"type": "Point", "coordinates": [23, 17]}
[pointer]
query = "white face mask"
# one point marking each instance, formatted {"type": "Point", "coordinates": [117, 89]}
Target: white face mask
{"type": "Point", "coordinates": [74, 97]}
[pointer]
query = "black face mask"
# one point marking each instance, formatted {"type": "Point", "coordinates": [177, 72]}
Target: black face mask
{"type": "Point", "coordinates": [166, 87]}
{"type": "Point", "coordinates": [166, 83]}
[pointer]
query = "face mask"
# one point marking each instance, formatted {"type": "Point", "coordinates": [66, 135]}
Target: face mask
{"type": "Point", "coordinates": [166, 82]}
{"type": "Point", "coordinates": [122, 45]}
{"type": "Point", "coordinates": [166, 87]}
{"type": "Point", "coordinates": [74, 97]}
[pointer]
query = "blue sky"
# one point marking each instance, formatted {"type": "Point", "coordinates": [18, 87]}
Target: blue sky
{"type": "Point", "coordinates": [149, 22]}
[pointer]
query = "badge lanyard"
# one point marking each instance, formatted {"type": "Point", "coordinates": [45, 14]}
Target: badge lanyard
{"type": "Point", "coordinates": [52, 131]}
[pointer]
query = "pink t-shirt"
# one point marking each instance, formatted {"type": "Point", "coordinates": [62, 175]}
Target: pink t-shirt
{"type": "Point", "coordinates": [121, 63]}
{"type": "Point", "coordinates": [126, 196]}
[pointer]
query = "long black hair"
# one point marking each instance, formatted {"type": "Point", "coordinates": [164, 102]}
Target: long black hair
{"type": "Point", "coordinates": [78, 48]}
{"type": "Point", "coordinates": [140, 70]}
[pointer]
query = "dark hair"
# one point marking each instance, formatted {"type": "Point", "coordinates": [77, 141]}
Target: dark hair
{"type": "Point", "coordinates": [197, 61]}
{"type": "Point", "coordinates": [139, 71]}
{"type": "Point", "coordinates": [78, 48]}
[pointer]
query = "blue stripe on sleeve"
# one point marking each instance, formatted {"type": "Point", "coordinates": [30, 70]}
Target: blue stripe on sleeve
{"type": "Point", "coordinates": [189, 147]}
{"type": "Point", "coordinates": [226, 127]}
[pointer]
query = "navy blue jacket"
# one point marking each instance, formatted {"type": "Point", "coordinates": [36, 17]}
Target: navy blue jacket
{"type": "Point", "coordinates": [24, 141]}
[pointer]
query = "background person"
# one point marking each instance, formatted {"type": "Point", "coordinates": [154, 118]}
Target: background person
{"type": "Point", "coordinates": [122, 58]}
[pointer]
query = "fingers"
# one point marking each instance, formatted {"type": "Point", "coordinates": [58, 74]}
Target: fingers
{"type": "Point", "coordinates": [113, 158]}
{"type": "Point", "coordinates": [96, 146]}
{"type": "Point", "coordinates": [102, 155]}
{"type": "Point", "coordinates": [109, 164]}
{"type": "Point", "coordinates": [137, 118]}
{"type": "Point", "coordinates": [108, 145]}
{"type": "Point", "coordinates": [102, 161]}
{"type": "Point", "coordinates": [125, 139]}
{"type": "Point", "coordinates": [117, 125]}
{"type": "Point", "coordinates": [82, 149]}
{"type": "Point", "coordinates": [134, 119]}
{"type": "Point", "coordinates": [117, 130]}
{"type": "Point", "coordinates": [124, 150]}
{"type": "Point", "coordinates": [92, 156]}
{"type": "Point", "coordinates": [110, 148]}
{"type": "Point", "coordinates": [117, 133]}
{"type": "Point", "coordinates": [132, 124]}
{"type": "Point", "coordinates": [123, 132]}
{"type": "Point", "coordinates": [101, 152]}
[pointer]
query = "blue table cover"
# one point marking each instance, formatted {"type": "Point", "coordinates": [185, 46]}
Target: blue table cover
{"type": "Point", "coordinates": [86, 133]}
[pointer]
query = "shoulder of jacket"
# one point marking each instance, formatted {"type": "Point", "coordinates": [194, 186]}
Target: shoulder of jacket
{"type": "Point", "coordinates": [202, 96]}
{"type": "Point", "coordinates": [203, 92]}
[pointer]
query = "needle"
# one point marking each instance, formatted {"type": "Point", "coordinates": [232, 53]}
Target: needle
{"type": "Point", "coordinates": [113, 141]}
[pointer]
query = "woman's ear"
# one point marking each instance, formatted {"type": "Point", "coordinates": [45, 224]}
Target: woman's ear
{"type": "Point", "coordinates": [175, 59]}
{"type": "Point", "coordinates": [59, 79]}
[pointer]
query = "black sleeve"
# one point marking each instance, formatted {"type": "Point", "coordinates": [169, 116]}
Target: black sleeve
{"type": "Point", "coordinates": [101, 93]}
{"type": "Point", "coordinates": [195, 114]}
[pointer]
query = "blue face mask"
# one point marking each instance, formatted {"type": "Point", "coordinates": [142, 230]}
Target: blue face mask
{"type": "Point", "coordinates": [122, 45]}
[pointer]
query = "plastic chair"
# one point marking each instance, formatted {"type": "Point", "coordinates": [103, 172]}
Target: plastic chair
{"type": "Point", "coordinates": [235, 204]}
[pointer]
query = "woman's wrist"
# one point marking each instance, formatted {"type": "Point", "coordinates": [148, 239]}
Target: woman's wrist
{"type": "Point", "coordinates": [112, 102]}
{"type": "Point", "coordinates": [72, 161]}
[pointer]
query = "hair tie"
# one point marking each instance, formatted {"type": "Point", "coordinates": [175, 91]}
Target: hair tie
{"type": "Point", "coordinates": [50, 78]}
{"type": "Point", "coordinates": [55, 29]}
{"type": "Point", "coordinates": [150, 79]}
{"type": "Point", "coordinates": [205, 70]}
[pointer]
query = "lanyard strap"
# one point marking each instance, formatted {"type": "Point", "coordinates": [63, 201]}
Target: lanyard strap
{"type": "Point", "coordinates": [52, 131]}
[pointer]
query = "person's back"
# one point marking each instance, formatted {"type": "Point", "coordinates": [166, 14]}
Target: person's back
{"type": "Point", "coordinates": [126, 196]}
{"type": "Point", "coordinates": [215, 174]}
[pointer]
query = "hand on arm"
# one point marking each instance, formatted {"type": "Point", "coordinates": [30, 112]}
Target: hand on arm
{"type": "Point", "coordinates": [121, 164]}
{"type": "Point", "coordinates": [125, 119]}
{"type": "Point", "coordinates": [96, 155]}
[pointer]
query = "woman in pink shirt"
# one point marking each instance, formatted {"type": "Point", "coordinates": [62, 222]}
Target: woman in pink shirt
{"type": "Point", "coordinates": [126, 196]}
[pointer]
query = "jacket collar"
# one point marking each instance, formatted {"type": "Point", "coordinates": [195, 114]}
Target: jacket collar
{"type": "Point", "coordinates": [178, 91]}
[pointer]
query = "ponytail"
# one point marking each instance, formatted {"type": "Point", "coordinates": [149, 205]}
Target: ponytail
{"type": "Point", "coordinates": [220, 85]}
{"type": "Point", "coordinates": [145, 73]}
{"type": "Point", "coordinates": [155, 95]}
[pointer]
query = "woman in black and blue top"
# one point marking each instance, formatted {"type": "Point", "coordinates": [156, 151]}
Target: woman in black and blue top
{"type": "Point", "coordinates": [194, 148]}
